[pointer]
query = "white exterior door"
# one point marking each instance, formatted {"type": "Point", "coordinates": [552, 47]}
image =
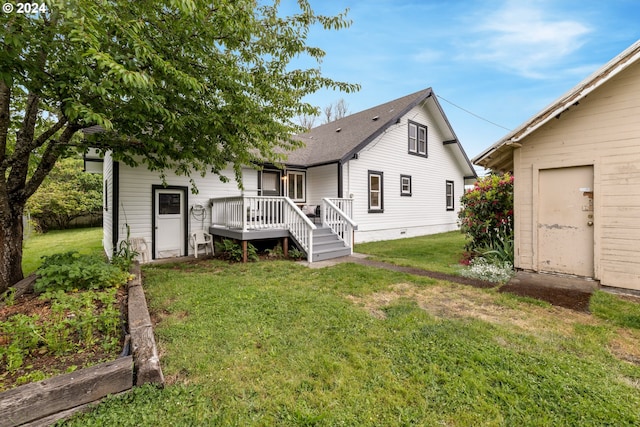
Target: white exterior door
{"type": "Point", "coordinates": [169, 233]}
{"type": "Point", "coordinates": [565, 220]}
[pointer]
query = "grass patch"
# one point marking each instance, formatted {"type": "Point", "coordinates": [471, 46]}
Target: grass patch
{"type": "Point", "coordinates": [82, 240]}
{"type": "Point", "coordinates": [439, 252]}
{"type": "Point", "coordinates": [618, 310]}
{"type": "Point", "coordinates": [278, 344]}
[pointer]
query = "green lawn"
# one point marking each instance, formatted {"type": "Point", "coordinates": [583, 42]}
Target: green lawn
{"type": "Point", "coordinates": [278, 344]}
{"type": "Point", "coordinates": [438, 252]}
{"type": "Point", "coordinates": [83, 240]}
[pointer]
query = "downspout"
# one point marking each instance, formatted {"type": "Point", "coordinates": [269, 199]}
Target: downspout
{"type": "Point", "coordinates": [115, 206]}
{"type": "Point", "coordinates": [340, 189]}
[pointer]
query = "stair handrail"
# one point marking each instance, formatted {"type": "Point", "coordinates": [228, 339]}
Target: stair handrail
{"type": "Point", "coordinates": [300, 227]}
{"type": "Point", "coordinates": [339, 222]}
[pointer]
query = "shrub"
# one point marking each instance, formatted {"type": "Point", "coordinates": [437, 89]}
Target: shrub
{"type": "Point", "coordinates": [296, 254]}
{"type": "Point", "coordinates": [70, 270]}
{"type": "Point", "coordinates": [67, 193]}
{"type": "Point", "coordinates": [491, 271]}
{"type": "Point", "coordinates": [487, 216]}
{"type": "Point", "coordinates": [232, 250]}
{"type": "Point", "coordinates": [276, 252]}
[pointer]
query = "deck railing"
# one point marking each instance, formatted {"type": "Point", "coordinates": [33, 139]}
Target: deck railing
{"type": "Point", "coordinates": [248, 213]}
{"type": "Point", "coordinates": [300, 227]}
{"type": "Point", "coordinates": [334, 217]}
{"type": "Point", "coordinates": [345, 205]}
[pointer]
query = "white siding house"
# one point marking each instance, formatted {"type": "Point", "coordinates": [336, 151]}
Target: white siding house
{"type": "Point", "coordinates": [396, 170]}
{"type": "Point", "coordinates": [409, 145]}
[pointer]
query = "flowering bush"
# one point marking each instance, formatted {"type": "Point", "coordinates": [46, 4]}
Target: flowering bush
{"type": "Point", "coordinates": [487, 215]}
{"type": "Point", "coordinates": [491, 271]}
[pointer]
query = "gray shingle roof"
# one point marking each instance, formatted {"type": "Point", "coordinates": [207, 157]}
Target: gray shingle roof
{"type": "Point", "coordinates": [325, 143]}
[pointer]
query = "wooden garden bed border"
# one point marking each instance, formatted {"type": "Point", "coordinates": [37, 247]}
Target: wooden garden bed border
{"type": "Point", "coordinates": [44, 402]}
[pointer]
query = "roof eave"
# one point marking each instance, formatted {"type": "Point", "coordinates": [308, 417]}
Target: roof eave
{"type": "Point", "coordinates": [560, 105]}
{"type": "Point", "coordinates": [395, 119]}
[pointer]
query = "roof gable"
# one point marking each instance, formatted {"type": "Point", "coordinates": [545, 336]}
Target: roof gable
{"type": "Point", "coordinates": [336, 140]}
{"type": "Point", "coordinates": [499, 155]}
{"type": "Point", "coordinates": [341, 139]}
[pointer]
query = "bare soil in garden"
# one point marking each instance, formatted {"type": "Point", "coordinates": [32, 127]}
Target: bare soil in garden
{"type": "Point", "coordinates": [42, 360]}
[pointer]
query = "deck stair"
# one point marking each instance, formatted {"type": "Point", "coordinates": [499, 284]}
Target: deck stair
{"type": "Point", "coordinates": [327, 245]}
{"type": "Point", "coordinates": [247, 218]}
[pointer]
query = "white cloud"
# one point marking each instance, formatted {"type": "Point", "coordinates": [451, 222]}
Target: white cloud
{"type": "Point", "coordinates": [528, 38]}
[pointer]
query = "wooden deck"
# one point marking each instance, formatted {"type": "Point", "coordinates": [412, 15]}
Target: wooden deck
{"type": "Point", "coordinates": [247, 218]}
{"type": "Point", "coordinates": [240, 234]}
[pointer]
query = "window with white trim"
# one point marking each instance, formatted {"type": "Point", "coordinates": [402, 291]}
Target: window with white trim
{"type": "Point", "coordinates": [450, 195]}
{"type": "Point", "coordinates": [417, 139]}
{"type": "Point", "coordinates": [376, 195]}
{"type": "Point", "coordinates": [296, 186]}
{"type": "Point", "coordinates": [405, 185]}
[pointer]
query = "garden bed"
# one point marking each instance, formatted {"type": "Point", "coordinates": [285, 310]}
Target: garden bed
{"type": "Point", "coordinates": [56, 397]}
{"type": "Point", "coordinates": [43, 363]}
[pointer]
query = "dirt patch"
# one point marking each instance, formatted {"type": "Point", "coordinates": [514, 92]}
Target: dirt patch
{"type": "Point", "coordinates": [625, 345]}
{"type": "Point", "coordinates": [461, 302]}
{"type": "Point", "coordinates": [567, 298]}
{"type": "Point", "coordinates": [572, 299]}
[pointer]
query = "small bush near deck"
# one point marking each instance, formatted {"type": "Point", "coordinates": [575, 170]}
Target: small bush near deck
{"type": "Point", "coordinates": [296, 254]}
{"type": "Point", "coordinates": [71, 271]}
{"type": "Point", "coordinates": [232, 250]}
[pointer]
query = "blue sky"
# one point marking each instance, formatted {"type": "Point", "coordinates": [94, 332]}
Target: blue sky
{"type": "Point", "coordinates": [502, 60]}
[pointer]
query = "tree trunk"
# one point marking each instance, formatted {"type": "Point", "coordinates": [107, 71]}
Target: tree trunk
{"type": "Point", "coordinates": [11, 248]}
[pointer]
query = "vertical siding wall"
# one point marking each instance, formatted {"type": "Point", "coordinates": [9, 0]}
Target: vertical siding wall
{"type": "Point", "coordinates": [603, 131]}
{"type": "Point", "coordinates": [424, 212]}
{"type": "Point", "coordinates": [135, 208]}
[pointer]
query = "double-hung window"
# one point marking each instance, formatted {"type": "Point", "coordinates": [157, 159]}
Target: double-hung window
{"type": "Point", "coordinates": [376, 196]}
{"type": "Point", "coordinates": [405, 185]}
{"type": "Point", "coordinates": [450, 196]}
{"type": "Point", "coordinates": [296, 186]}
{"type": "Point", "coordinates": [417, 139]}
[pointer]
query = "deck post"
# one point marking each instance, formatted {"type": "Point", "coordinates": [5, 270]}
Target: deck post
{"type": "Point", "coordinates": [285, 247]}
{"type": "Point", "coordinates": [244, 252]}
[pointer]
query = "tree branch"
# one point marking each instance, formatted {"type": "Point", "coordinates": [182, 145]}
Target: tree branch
{"type": "Point", "coordinates": [25, 149]}
{"type": "Point", "coordinates": [48, 161]}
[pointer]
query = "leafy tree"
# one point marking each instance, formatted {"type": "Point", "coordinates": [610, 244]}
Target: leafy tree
{"type": "Point", "coordinates": [67, 193]}
{"type": "Point", "coordinates": [487, 215]}
{"type": "Point", "coordinates": [184, 85]}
